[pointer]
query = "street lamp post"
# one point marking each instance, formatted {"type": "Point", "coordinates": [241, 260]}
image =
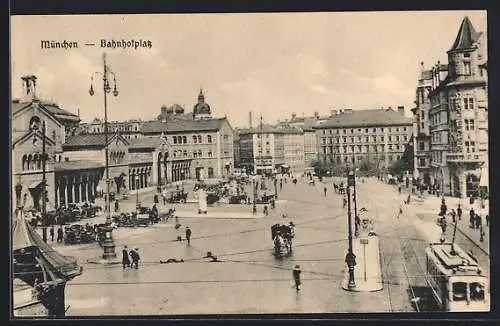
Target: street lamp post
{"type": "Point", "coordinates": [108, 245]}
{"type": "Point", "coordinates": [355, 200]}
{"type": "Point", "coordinates": [254, 209]}
{"type": "Point", "coordinates": [137, 191]}
{"type": "Point", "coordinates": [350, 258]}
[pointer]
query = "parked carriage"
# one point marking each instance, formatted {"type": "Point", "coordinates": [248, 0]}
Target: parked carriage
{"type": "Point", "coordinates": [179, 196]}
{"type": "Point", "coordinates": [282, 236]}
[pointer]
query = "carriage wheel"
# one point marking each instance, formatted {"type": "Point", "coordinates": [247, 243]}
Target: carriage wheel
{"type": "Point", "coordinates": [182, 201]}
{"type": "Point", "coordinates": [243, 201]}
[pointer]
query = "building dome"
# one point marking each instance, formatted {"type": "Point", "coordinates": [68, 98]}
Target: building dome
{"type": "Point", "coordinates": [201, 107]}
{"type": "Point", "coordinates": [177, 109]}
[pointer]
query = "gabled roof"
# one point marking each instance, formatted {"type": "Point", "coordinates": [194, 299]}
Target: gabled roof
{"type": "Point", "coordinates": [31, 134]}
{"type": "Point", "coordinates": [366, 118]}
{"type": "Point", "coordinates": [182, 125]}
{"type": "Point", "coordinates": [466, 36]}
{"type": "Point", "coordinates": [50, 107]}
{"type": "Point", "coordinates": [90, 140]}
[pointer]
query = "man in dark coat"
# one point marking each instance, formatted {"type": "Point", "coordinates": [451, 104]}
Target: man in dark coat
{"type": "Point", "coordinates": [296, 277]}
{"type": "Point", "coordinates": [134, 254]}
{"type": "Point", "coordinates": [459, 212]}
{"type": "Point", "coordinates": [188, 235]}
{"type": "Point", "coordinates": [472, 216]}
{"type": "Point", "coordinates": [117, 205]}
{"type": "Point", "coordinates": [125, 257]}
{"type": "Point", "coordinates": [52, 233]}
{"type": "Point", "coordinates": [60, 235]}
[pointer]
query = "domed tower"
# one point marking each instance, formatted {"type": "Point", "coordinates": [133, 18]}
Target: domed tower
{"type": "Point", "coordinates": [201, 109]}
{"type": "Point", "coordinates": [165, 113]}
{"type": "Point", "coordinates": [177, 109]}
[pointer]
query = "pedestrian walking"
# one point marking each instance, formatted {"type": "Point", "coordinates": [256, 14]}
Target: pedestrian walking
{"type": "Point", "coordinates": [344, 202]}
{"type": "Point", "coordinates": [125, 257]}
{"type": "Point", "coordinates": [471, 218]}
{"type": "Point", "coordinates": [52, 233]}
{"type": "Point", "coordinates": [459, 212]}
{"type": "Point", "coordinates": [482, 234]}
{"type": "Point", "coordinates": [487, 219]}
{"type": "Point", "coordinates": [60, 235]}
{"type": "Point", "coordinates": [188, 235]}
{"type": "Point", "coordinates": [443, 208]}
{"type": "Point", "coordinates": [453, 216]}
{"type": "Point", "coordinates": [296, 277]}
{"type": "Point", "coordinates": [408, 199]}
{"type": "Point", "coordinates": [281, 184]}
{"type": "Point", "coordinates": [325, 190]}
{"type": "Point", "coordinates": [399, 189]}
{"type": "Point", "coordinates": [479, 221]}
{"type": "Point", "coordinates": [134, 254]}
{"type": "Point", "coordinates": [117, 206]}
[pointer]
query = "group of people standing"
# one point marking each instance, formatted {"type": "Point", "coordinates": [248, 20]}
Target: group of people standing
{"type": "Point", "coordinates": [130, 258]}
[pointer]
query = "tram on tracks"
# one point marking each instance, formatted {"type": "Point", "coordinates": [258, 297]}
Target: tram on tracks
{"type": "Point", "coordinates": [456, 280]}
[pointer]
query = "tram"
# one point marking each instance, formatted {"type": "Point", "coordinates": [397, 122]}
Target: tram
{"type": "Point", "coordinates": [456, 280]}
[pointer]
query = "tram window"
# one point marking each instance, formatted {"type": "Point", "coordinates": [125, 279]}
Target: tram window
{"type": "Point", "coordinates": [459, 291]}
{"type": "Point", "coordinates": [476, 291]}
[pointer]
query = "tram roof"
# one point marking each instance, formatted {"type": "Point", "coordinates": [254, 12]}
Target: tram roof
{"type": "Point", "coordinates": [461, 263]}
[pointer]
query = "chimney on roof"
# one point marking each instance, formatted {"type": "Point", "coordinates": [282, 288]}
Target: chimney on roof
{"type": "Point", "coordinates": [250, 119]}
{"type": "Point", "coordinates": [333, 112]}
{"type": "Point", "coordinates": [316, 115]}
{"type": "Point", "coordinates": [401, 109]}
{"type": "Point", "coordinates": [294, 115]}
{"type": "Point", "coordinates": [29, 87]}
{"type": "Point", "coordinates": [78, 110]}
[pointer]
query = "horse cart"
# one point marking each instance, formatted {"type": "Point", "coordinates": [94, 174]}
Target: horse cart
{"type": "Point", "coordinates": [282, 236]}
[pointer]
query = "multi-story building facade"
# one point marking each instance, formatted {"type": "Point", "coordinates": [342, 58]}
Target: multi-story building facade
{"type": "Point", "coordinates": [262, 149]}
{"type": "Point", "coordinates": [421, 134]}
{"type": "Point", "coordinates": [131, 129]}
{"type": "Point", "coordinates": [293, 148]}
{"type": "Point", "coordinates": [269, 149]}
{"type": "Point", "coordinates": [351, 136]}
{"type": "Point", "coordinates": [458, 116]}
{"type": "Point", "coordinates": [310, 146]}
{"type": "Point", "coordinates": [205, 144]}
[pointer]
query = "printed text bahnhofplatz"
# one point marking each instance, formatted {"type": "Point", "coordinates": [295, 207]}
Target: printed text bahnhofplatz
{"type": "Point", "coordinates": [126, 44]}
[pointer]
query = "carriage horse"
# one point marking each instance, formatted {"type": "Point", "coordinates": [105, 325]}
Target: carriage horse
{"type": "Point", "coordinates": [282, 236]}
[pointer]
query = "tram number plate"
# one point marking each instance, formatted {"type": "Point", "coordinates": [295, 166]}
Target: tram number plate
{"type": "Point", "coordinates": [364, 241]}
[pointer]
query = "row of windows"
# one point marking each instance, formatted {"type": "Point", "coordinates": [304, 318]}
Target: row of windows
{"type": "Point", "coordinates": [362, 148]}
{"type": "Point", "coordinates": [195, 154]}
{"type": "Point", "coordinates": [367, 139]}
{"type": "Point", "coordinates": [366, 130]}
{"type": "Point", "coordinates": [197, 139]}
{"type": "Point", "coordinates": [353, 159]}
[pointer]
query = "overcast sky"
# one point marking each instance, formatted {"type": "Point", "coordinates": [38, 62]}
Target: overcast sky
{"type": "Point", "coordinates": [271, 64]}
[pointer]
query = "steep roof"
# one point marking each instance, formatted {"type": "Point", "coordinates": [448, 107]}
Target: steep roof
{"type": "Point", "coordinates": [88, 140]}
{"type": "Point", "coordinates": [366, 118]}
{"type": "Point", "coordinates": [182, 125]}
{"type": "Point", "coordinates": [51, 107]}
{"type": "Point", "coordinates": [466, 36]}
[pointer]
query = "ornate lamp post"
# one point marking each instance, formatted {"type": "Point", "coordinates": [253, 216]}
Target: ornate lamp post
{"type": "Point", "coordinates": [355, 197]}
{"type": "Point", "coordinates": [108, 245]}
{"type": "Point", "coordinates": [350, 258]}
{"type": "Point", "coordinates": [137, 191]}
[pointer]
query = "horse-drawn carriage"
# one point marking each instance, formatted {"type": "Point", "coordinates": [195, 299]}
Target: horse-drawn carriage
{"type": "Point", "coordinates": [282, 236]}
{"type": "Point", "coordinates": [265, 199]}
{"type": "Point", "coordinates": [339, 188]}
{"type": "Point", "coordinates": [178, 196]}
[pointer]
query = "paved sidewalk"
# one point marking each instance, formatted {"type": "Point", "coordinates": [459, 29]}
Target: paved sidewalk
{"type": "Point", "coordinates": [367, 272]}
